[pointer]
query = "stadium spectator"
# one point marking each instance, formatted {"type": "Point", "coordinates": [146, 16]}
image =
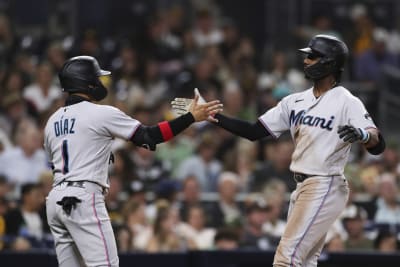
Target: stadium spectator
{"type": "Point", "coordinates": [274, 194]}
{"type": "Point", "coordinates": [153, 86]}
{"type": "Point", "coordinates": [25, 162]}
{"type": "Point", "coordinates": [386, 242]}
{"type": "Point", "coordinates": [278, 155]}
{"type": "Point", "coordinates": [391, 160]}
{"type": "Point", "coordinates": [164, 238]}
{"type": "Point", "coordinates": [226, 239]}
{"type": "Point", "coordinates": [242, 159]}
{"type": "Point", "coordinates": [55, 54]}
{"type": "Point", "coordinates": [334, 243]}
{"type": "Point", "coordinates": [231, 37]}
{"type": "Point", "coordinates": [226, 212]}
{"type": "Point", "coordinates": [388, 209]}
{"type": "Point", "coordinates": [368, 66]}
{"type": "Point", "coordinates": [360, 35]}
{"type": "Point", "coordinates": [195, 228]}
{"type": "Point", "coordinates": [136, 223]}
{"type": "Point", "coordinates": [253, 236]}
{"type": "Point", "coordinates": [123, 238]}
{"type": "Point", "coordinates": [14, 110]}
{"type": "Point", "coordinates": [8, 39]}
{"type": "Point", "coordinates": [27, 221]}
{"type": "Point", "coordinates": [203, 164]}
{"type": "Point", "coordinates": [190, 195]}
{"type": "Point", "coordinates": [205, 31]}
{"type": "Point", "coordinates": [354, 221]}
{"type": "Point", "coordinates": [137, 192]}
{"type": "Point", "coordinates": [42, 93]}
{"type": "Point", "coordinates": [113, 200]}
{"type": "Point", "coordinates": [13, 83]}
{"type": "Point", "coordinates": [147, 168]}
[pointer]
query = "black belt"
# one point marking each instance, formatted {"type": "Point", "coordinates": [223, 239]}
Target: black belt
{"type": "Point", "coordinates": [76, 183]}
{"type": "Point", "coordinates": [301, 177]}
{"type": "Point", "coordinates": [81, 184]}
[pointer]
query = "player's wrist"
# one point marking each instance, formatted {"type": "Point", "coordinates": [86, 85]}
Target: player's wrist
{"type": "Point", "coordinates": [365, 135]}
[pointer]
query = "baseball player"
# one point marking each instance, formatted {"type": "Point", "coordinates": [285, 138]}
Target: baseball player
{"type": "Point", "coordinates": [323, 121]}
{"type": "Point", "coordinates": [78, 139]}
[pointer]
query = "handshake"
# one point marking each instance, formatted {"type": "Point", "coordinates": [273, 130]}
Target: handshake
{"type": "Point", "coordinates": [196, 106]}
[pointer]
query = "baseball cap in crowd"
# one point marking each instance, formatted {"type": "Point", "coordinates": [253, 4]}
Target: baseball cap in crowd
{"type": "Point", "coordinates": [166, 188]}
{"type": "Point", "coordinates": [354, 212]}
{"type": "Point", "coordinates": [136, 187]}
{"type": "Point", "coordinates": [258, 204]}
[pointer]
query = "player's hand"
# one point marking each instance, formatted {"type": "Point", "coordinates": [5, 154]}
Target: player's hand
{"type": "Point", "coordinates": [204, 111]}
{"type": "Point", "coordinates": [182, 105]}
{"type": "Point", "coordinates": [351, 134]}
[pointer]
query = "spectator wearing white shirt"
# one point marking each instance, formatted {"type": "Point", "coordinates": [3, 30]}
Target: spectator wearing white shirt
{"type": "Point", "coordinates": [43, 92]}
{"type": "Point", "coordinates": [195, 229]}
{"type": "Point", "coordinates": [205, 32]}
{"type": "Point", "coordinates": [388, 211]}
{"type": "Point", "coordinates": [25, 162]}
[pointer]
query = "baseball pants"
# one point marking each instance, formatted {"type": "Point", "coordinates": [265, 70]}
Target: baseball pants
{"type": "Point", "coordinates": [314, 206]}
{"type": "Point", "coordinates": [84, 236]}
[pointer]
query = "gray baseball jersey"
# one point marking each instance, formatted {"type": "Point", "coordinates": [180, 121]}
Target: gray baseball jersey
{"type": "Point", "coordinates": [320, 153]}
{"type": "Point", "coordinates": [78, 141]}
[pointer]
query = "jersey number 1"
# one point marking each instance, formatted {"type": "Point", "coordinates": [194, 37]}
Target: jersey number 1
{"type": "Point", "coordinates": [64, 152]}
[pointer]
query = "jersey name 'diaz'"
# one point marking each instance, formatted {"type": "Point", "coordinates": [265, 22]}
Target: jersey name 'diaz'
{"type": "Point", "coordinates": [64, 126]}
{"type": "Point", "coordinates": [299, 118]}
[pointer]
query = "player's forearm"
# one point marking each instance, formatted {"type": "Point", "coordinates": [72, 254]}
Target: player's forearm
{"type": "Point", "coordinates": [251, 131]}
{"type": "Point", "coordinates": [150, 136]}
{"type": "Point", "coordinates": [376, 144]}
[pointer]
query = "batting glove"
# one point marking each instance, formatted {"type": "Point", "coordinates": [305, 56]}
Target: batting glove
{"type": "Point", "coordinates": [181, 106]}
{"type": "Point", "coordinates": [351, 134]}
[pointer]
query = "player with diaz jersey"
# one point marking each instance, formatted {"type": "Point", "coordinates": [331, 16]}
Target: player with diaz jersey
{"type": "Point", "coordinates": [323, 121]}
{"type": "Point", "coordinates": [78, 139]}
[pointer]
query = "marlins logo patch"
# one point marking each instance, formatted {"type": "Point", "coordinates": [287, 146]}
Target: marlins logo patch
{"type": "Point", "coordinates": [367, 116]}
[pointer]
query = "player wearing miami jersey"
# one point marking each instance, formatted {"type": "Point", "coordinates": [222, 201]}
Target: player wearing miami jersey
{"type": "Point", "coordinates": [78, 140]}
{"type": "Point", "coordinates": [323, 121]}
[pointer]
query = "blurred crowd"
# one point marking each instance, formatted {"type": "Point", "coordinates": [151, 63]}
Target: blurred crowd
{"type": "Point", "coordinates": [205, 189]}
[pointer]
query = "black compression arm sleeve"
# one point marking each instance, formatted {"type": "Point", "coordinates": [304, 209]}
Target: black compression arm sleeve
{"type": "Point", "coordinates": [251, 131]}
{"type": "Point", "coordinates": [181, 123]}
{"type": "Point", "coordinates": [379, 148]}
{"type": "Point", "coordinates": [150, 136]}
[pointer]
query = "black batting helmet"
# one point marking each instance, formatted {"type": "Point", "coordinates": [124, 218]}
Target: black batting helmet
{"type": "Point", "coordinates": [81, 75]}
{"type": "Point", "coordinates": [332, 52]}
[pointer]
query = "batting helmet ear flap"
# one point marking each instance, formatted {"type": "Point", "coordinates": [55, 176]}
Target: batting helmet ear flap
{"type": "Point", "coordinates": [99, 91]}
